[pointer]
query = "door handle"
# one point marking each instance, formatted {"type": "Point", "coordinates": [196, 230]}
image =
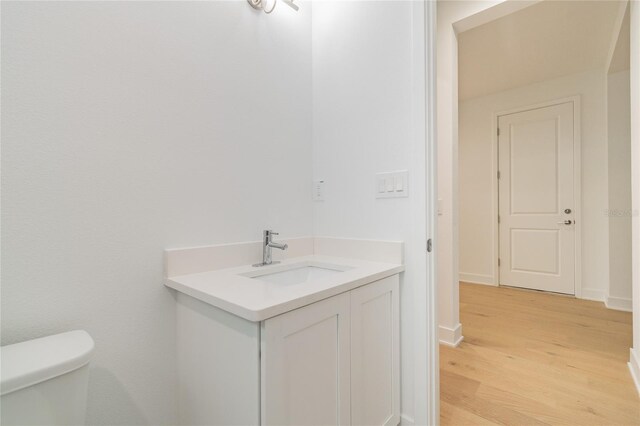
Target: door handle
{"type": "Point", "coordinates": [565, 222]}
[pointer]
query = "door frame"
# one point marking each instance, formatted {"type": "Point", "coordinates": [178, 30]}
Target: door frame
{"type": "Point", "coordinates": [427, 365]}
{"type": "Point", "coordinates": [577, 185]}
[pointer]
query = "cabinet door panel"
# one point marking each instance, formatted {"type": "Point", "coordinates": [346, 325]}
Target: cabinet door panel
{"type": "Point", "coordinates": [305, 365]}
{"type": "Point", "coordinates": [375, 354]}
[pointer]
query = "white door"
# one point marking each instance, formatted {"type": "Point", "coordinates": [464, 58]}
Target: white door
{"type": "Point", "coordinates": [536, 199]}
{"type": "Point", "coordinates": [375, 353]}
{"type": "Point", "coordinates": [305, 360]}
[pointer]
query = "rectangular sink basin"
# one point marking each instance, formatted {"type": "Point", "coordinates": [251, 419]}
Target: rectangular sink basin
{"type": "Point", "coordinates": [296, 273]}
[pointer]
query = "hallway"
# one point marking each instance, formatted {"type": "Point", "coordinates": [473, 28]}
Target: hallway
{"type": "Point", "coordinates": [536, 358]}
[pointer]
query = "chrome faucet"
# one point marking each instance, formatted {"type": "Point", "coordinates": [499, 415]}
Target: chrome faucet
{"type": "Point", "coordinates": [267, 245]}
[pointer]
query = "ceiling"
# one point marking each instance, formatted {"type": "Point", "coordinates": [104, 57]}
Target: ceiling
{"type": "Point", "coordinates": [544, 41]}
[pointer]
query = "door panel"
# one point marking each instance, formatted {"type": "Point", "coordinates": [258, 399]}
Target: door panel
{"type": "Point", "coordinates": [534, 167]}
{"type": "Point", "coordinates": [544, 242]}
{"type": "Point", "coordinates": [306, 365]}
{"type": "Point", "coordinates": [375, 353]}
{"type": "Point", "coordinates": [536, 185]}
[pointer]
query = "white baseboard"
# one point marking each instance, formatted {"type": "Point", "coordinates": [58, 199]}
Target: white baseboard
{"type": "Point", "coordinates": [450, 336]}
{"type": "Point", "coordinates": [619, 303]}
{"type": "Point", "coordinates": [476, 278]}
{"type": "Point", "coordinates": [406, 420]}
{"type": "Point", "coordinates": [634, 368]}
{"type": "Point", "coordinates": [592, 294]}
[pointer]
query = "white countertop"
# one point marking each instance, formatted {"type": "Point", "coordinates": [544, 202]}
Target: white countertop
{"type": "Point", "coordinates": [257, 300]}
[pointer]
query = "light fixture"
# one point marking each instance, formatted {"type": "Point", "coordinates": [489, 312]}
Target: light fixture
{"type": "Point", "coordinates": [268, 8]}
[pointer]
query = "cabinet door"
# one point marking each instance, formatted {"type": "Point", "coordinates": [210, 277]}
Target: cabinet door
{"type": "Point", "coordinates": [305, 365]}
{"type": "Point", "coordinates": [375, 353]}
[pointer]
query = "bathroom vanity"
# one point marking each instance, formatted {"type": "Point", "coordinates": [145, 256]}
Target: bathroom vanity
{"type": "Point", "coordinates": [311, 340]}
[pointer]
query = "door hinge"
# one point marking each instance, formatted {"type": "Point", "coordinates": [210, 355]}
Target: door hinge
{"type": "Point", "coordinates": [498, 131]}
{"type": "Point", "coordinates": [429, 245]}
{"type": "Point", "coordinates": [498, 218]}
{"type": "Point", "coordinates": [498, 261]}
{"type": "Point", "coordinates": [498, 174]}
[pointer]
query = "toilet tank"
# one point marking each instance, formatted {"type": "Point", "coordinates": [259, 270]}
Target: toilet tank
{"type": "Point", "coordinates": [44, 381]}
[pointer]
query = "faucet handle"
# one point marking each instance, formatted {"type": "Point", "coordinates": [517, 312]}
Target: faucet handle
{"type": "Point", "coordinates": [268, 233]}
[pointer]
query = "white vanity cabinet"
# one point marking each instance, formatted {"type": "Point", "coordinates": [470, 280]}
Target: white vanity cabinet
{"type": "Point", "coordinates": [306, 365]}
{"type": "Point", "coordinates": [375, 353]}
{"type": "Point", "coordinates": [333, 362]}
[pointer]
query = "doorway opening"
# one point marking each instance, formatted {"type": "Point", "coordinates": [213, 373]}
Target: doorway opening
{"type": "Point", "coordinates": [535, 192]}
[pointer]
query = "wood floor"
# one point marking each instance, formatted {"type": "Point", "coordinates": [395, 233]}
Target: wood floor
{"type": "Point", "coordinates": [531, 358]}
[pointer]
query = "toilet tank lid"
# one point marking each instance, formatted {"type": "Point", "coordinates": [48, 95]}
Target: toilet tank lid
{"type": "Point", "coordinates": [28, 363]}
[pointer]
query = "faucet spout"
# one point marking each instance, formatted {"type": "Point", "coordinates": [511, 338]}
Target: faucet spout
{"type": "Point", "coordinates": [267, 245]}
{"type": "Point", "coordinates": [279, 246]}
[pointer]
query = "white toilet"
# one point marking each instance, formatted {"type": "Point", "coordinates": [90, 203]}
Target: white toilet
{"type": "Point", "coordinates": [44, 381]}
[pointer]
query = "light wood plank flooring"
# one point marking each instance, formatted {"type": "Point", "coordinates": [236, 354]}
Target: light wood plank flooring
{"type": "Point", "coordinates": [531, 358]}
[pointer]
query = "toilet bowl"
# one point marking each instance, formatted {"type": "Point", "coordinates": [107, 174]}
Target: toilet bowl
{"type": "Point", "coordinates": [44, 381]}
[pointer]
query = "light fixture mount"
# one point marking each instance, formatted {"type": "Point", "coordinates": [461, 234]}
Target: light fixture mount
{"type": "Point", "coordinates": [262, 5]}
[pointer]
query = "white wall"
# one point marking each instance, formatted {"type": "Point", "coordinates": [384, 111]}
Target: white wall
{"type": "Point", "coordinates": [619, 154]}
{"type": "Point", "coordinates": [128, 128]}
{"type": "Point", "coordinates": [462, 15]}
{"type": "Point", "coordinates": [363, 123]}
{"type": "Point", "coordinates": [477, 179]}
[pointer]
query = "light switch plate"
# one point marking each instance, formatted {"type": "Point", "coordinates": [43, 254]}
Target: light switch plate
{"type": "Point", "coordinates": [318, 190]}
{"type": "Point", "coordinates": [392, 184]}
